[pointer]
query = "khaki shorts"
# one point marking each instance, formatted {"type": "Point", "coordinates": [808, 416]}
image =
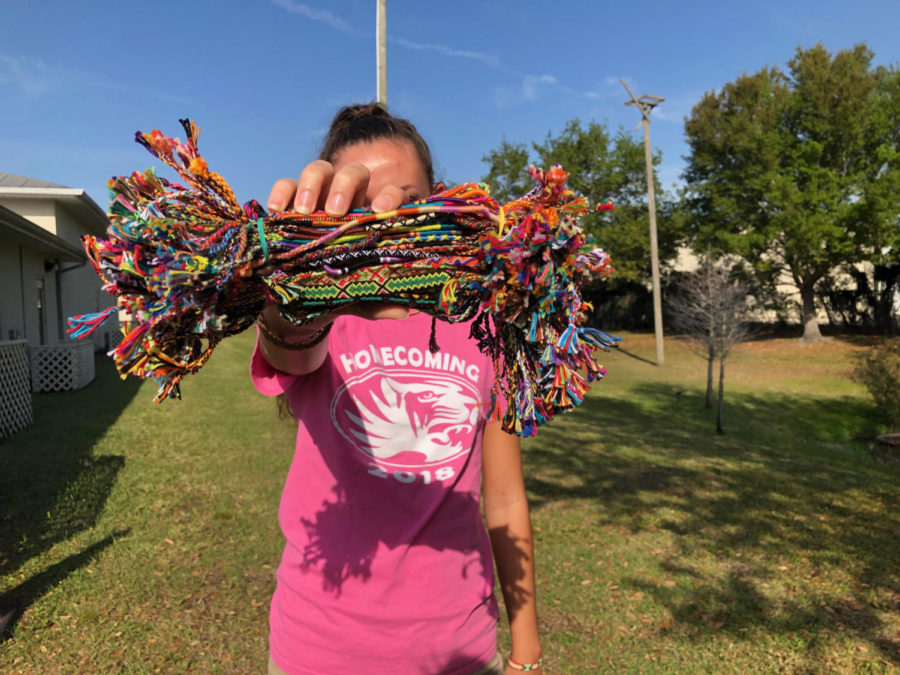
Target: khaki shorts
{"type": "Point", "coordinates": [495, 667]}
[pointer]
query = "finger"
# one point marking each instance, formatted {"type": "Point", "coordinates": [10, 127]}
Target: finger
{"type": "Point", "coordinates": [348, 187]}
{"type": "Point", "coordinates": [389, 199]}
{"type": "Point", "coordinates": [282, 194]}
{"type": "Point", "coordinates": [314, 184]}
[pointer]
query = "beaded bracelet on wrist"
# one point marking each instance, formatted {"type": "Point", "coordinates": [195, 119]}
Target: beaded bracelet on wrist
{"type": "Point", "coordinates": [313, 339]}
{"type": "Point", "coordinates": [525, 667]}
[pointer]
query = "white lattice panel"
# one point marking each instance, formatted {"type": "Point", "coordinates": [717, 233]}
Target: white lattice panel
{"type": "Point", "coordinates": [15, 388]}
{"type": "Point", "coordinates": [62, 367]}
{"type": "Point", "coordinates": [84, 373]}
{"type": "Point", "coordinates": [115, 334]}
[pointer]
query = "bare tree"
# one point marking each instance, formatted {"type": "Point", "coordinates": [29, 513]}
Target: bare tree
{"type": "Point", "coordinates": [710, 309]}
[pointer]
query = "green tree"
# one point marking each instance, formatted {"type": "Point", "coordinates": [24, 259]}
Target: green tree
{"type": "Point", "coordinates": [508, 174]}
{"type": "Point", "coordinates": [794, 171]}
{"type": "Point", "coordinates": [601, 166]}
{"type": "Point", "coordinates": [880, 207]}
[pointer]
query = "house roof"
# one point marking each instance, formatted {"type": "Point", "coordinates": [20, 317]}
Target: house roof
{"type": "Point", "coordinates": [15, 181]}
{"type": "Point", "coordinates": [23, 231]}
{"type": "Point", "coordinates": [75, 199]}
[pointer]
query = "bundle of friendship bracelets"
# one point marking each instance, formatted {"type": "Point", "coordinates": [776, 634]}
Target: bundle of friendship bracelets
{"type": "Point", "coordinates": [189, 266]}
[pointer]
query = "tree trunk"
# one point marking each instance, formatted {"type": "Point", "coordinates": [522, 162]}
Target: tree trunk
{"type": "Point", "coordinates": [810, 325]}
{"type": "Point", "coordinates": [887, 283]}
{"type": "Point", "coordinates": [720, 403]}
{"type": "Point", "coordinates": [710, 360]}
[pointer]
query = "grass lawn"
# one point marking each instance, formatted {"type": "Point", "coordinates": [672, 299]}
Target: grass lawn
{"type": "Point", "coordinates": [137, 537]}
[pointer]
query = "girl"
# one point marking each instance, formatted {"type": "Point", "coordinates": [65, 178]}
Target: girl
{"type": "Point", "coordinates": [387, 566]}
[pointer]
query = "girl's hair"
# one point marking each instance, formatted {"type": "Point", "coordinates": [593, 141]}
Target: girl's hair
{"type": "Point", "coordinates": [364, 122]}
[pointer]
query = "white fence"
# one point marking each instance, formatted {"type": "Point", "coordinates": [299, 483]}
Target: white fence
{"type": "Point", "coordinates": [62, 367]}
{"type": "Point", "coordinates": [15, 387]}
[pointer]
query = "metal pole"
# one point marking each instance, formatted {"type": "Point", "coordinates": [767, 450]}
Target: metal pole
{"type": "Point", "coordinates": [654, 250]}
{"type": "Point", "coordinates": [645, 104]}
{"type": "Point", "coordinates": [59, 304]}
{"type": "Point", "coordinates": [22, 287]}
{"type": "Point", "coordinates": [381, 51]}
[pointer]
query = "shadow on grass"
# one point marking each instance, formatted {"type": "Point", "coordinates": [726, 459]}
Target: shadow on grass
{"type": "Point", "coordinates": [862, 339]}
{"type": "Point", "coordinates": [785, 483]}
{"type": "Point", "coordinates": [51, 484]}
{"type": "Point", "coordinates": [632, 355]}
{"type": "Point", "coordinates": [16, 600]}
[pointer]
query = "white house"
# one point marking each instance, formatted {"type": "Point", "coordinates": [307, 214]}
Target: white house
{"type": "Point", "coordinates": [688, 261]}
{"type": "Point", "coordinates": [45, 277]}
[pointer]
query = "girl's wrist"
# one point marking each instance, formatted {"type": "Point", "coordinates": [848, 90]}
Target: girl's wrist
{"type": "Point", "coordinates": [525, 645]}
{"type": "Point", "coordinates": [526, 655]}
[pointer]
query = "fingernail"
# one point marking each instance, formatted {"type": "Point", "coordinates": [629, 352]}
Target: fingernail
{"type": "Point", "coordinates": [336, 204]}
{"type": "Point", "coordinates": [304, 203]}
{"type": "Point", "coordinates": [275, 206]}
{"type": "Point", "coordinates": [381, 204]}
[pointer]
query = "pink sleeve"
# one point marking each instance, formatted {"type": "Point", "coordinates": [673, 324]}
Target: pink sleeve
{"type": "Point", "coordinates": [268, 380]}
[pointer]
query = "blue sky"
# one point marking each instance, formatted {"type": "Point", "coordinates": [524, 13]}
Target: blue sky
{"type": "Point", "coordinates": [264, 77]}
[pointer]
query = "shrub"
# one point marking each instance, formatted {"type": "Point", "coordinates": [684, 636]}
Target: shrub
{"type": "Point", "coordinates": [879, 371]}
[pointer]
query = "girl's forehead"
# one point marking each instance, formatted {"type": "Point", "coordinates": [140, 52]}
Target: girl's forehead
{"type": "Point", "coordinates": [389, 161]}
{"type": "Point", "coordinates": [379, 151]}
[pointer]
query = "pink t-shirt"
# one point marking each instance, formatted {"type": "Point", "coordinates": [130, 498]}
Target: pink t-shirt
{"type": "Point", "coordinates": [387, 566]}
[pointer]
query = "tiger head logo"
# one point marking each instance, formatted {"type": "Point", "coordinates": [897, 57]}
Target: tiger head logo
{"type": "Point", "coordinates": [390, 415]}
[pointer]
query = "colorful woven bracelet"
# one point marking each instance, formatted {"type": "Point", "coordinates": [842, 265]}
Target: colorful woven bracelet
{"type": "Point", "coordinates": [525, 667]}
{"type": "Point", "coordinates": [190, 266]}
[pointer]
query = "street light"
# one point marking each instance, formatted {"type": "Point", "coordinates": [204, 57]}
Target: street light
{"type": "Point", "coordinates": [645, 104]}
{"type": "Point", "coordinates": [381, 51]}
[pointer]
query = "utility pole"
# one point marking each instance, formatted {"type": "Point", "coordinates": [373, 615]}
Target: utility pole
{"type": "Point", "coordinates": [381, 51]}
{"type": "Point", "coordinates": [645, 104]}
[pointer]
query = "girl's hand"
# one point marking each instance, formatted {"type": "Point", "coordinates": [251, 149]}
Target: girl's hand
{"type": "Point", "coordinates": [336, 191]}
{"type": "Point", "coordinates": [320, 187]}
